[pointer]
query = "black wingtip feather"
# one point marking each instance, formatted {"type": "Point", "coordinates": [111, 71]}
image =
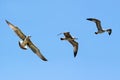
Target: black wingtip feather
{"type": "Point", "coordinates": [7, 22]}
{"type": "Point", "coordinates": [44, 59]}
{"type": "Point", "coordinates": [90, 19]}
{"type": "Point", "coordinates": [75, 53]}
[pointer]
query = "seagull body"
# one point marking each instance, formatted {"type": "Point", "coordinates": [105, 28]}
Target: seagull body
{"type": "Point", "coordinates": [26, 41]}
{"type": "Point", "coordinates": [99, 27]}
{"type": "Point", "coordinates": [71, 40]}
{"type": "Point", "coordinates": [23, 43]}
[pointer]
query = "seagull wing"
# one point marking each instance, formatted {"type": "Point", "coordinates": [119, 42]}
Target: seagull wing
{"type": "Point", "coordinates": [17, 30]}
{"type": "Point", "coordinates": [72, 41]}
{"type": "Point", "coordinates": [36, 50]}
{"type": "Point", "coordinates": [98, 23]}
{"type": "Point", "coordinates": [75, 45]}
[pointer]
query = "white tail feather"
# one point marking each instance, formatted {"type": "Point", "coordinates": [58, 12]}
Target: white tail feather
{"type": "Point", "coordinates": [22, 42]}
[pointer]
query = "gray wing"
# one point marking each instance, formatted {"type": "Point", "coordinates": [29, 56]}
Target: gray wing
{"type": "Point", "coordinates": [75, 45]}
{"type": "Point", "coordinates": [98, 23]}
{"type": "Point", "coordinates": [36, 50]}
{"type": "Point", "coordinates": [17, 30]}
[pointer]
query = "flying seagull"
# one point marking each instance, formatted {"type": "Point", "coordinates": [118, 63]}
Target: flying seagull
{"type": "Point", "coordinates": [26, 41]}
{"type": "Point", "coordinates": [71, 40]}
{"type": "Point", "coordinates": [99, 27]}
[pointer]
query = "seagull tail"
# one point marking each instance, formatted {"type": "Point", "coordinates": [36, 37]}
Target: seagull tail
{"type": "Point", "coordinates": [25, 47]}
{"type": "Point", "coordinates": [109, 31]}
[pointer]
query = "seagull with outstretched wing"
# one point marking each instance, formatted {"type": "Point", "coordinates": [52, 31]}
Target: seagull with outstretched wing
{"type": "Point", "coordinates": [26, 41]}
{"type": "Point", "coordinates": [99, 27]}
{"type": "Point", "coordinates": [71, 40]}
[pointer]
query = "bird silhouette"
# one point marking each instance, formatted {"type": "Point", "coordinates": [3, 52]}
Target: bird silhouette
{"type": "Point", "coordinates": [25, 41]}
{"type": "Point", "coordinates": [71, 40]}
{"type": "Point", "coordinates": [99, 27]}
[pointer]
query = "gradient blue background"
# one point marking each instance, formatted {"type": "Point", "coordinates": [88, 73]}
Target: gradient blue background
{"type": "Point", "coordinates": [98, 57]}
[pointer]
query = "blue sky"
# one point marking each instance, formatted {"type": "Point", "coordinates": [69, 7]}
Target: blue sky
{"type": "Point", "coordinates": [98, 55]}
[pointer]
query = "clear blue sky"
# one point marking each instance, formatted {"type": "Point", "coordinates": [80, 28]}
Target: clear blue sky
{"type": "Point", "coordinates": [98, 57]}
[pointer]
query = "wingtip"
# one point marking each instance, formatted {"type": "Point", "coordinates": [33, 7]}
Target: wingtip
{"type": "Point", "coordinates": [75, 53]}
{"type": "Point", "coordinates": [62, 33]}
{"type": "Point", "coordinates": [10, 25]}
{"type": "Point", "coordinates": [75, 50]}
{"type": "Point", "coordinates": [7, 21]}
{"type": "Point", "coordinates": [90, 19]}
{"type": "Point", "coordinates": [59, 34]}
{"type": "Point", "coordinates": [44, 59]}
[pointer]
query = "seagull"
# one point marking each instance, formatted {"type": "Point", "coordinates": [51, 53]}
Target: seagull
{"type": "Point", "coordinates": [71, 40]}
{"type": "Point", "coordinates": [25, 41]}
{"type": "Point", "coordinates": [99, 27]}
